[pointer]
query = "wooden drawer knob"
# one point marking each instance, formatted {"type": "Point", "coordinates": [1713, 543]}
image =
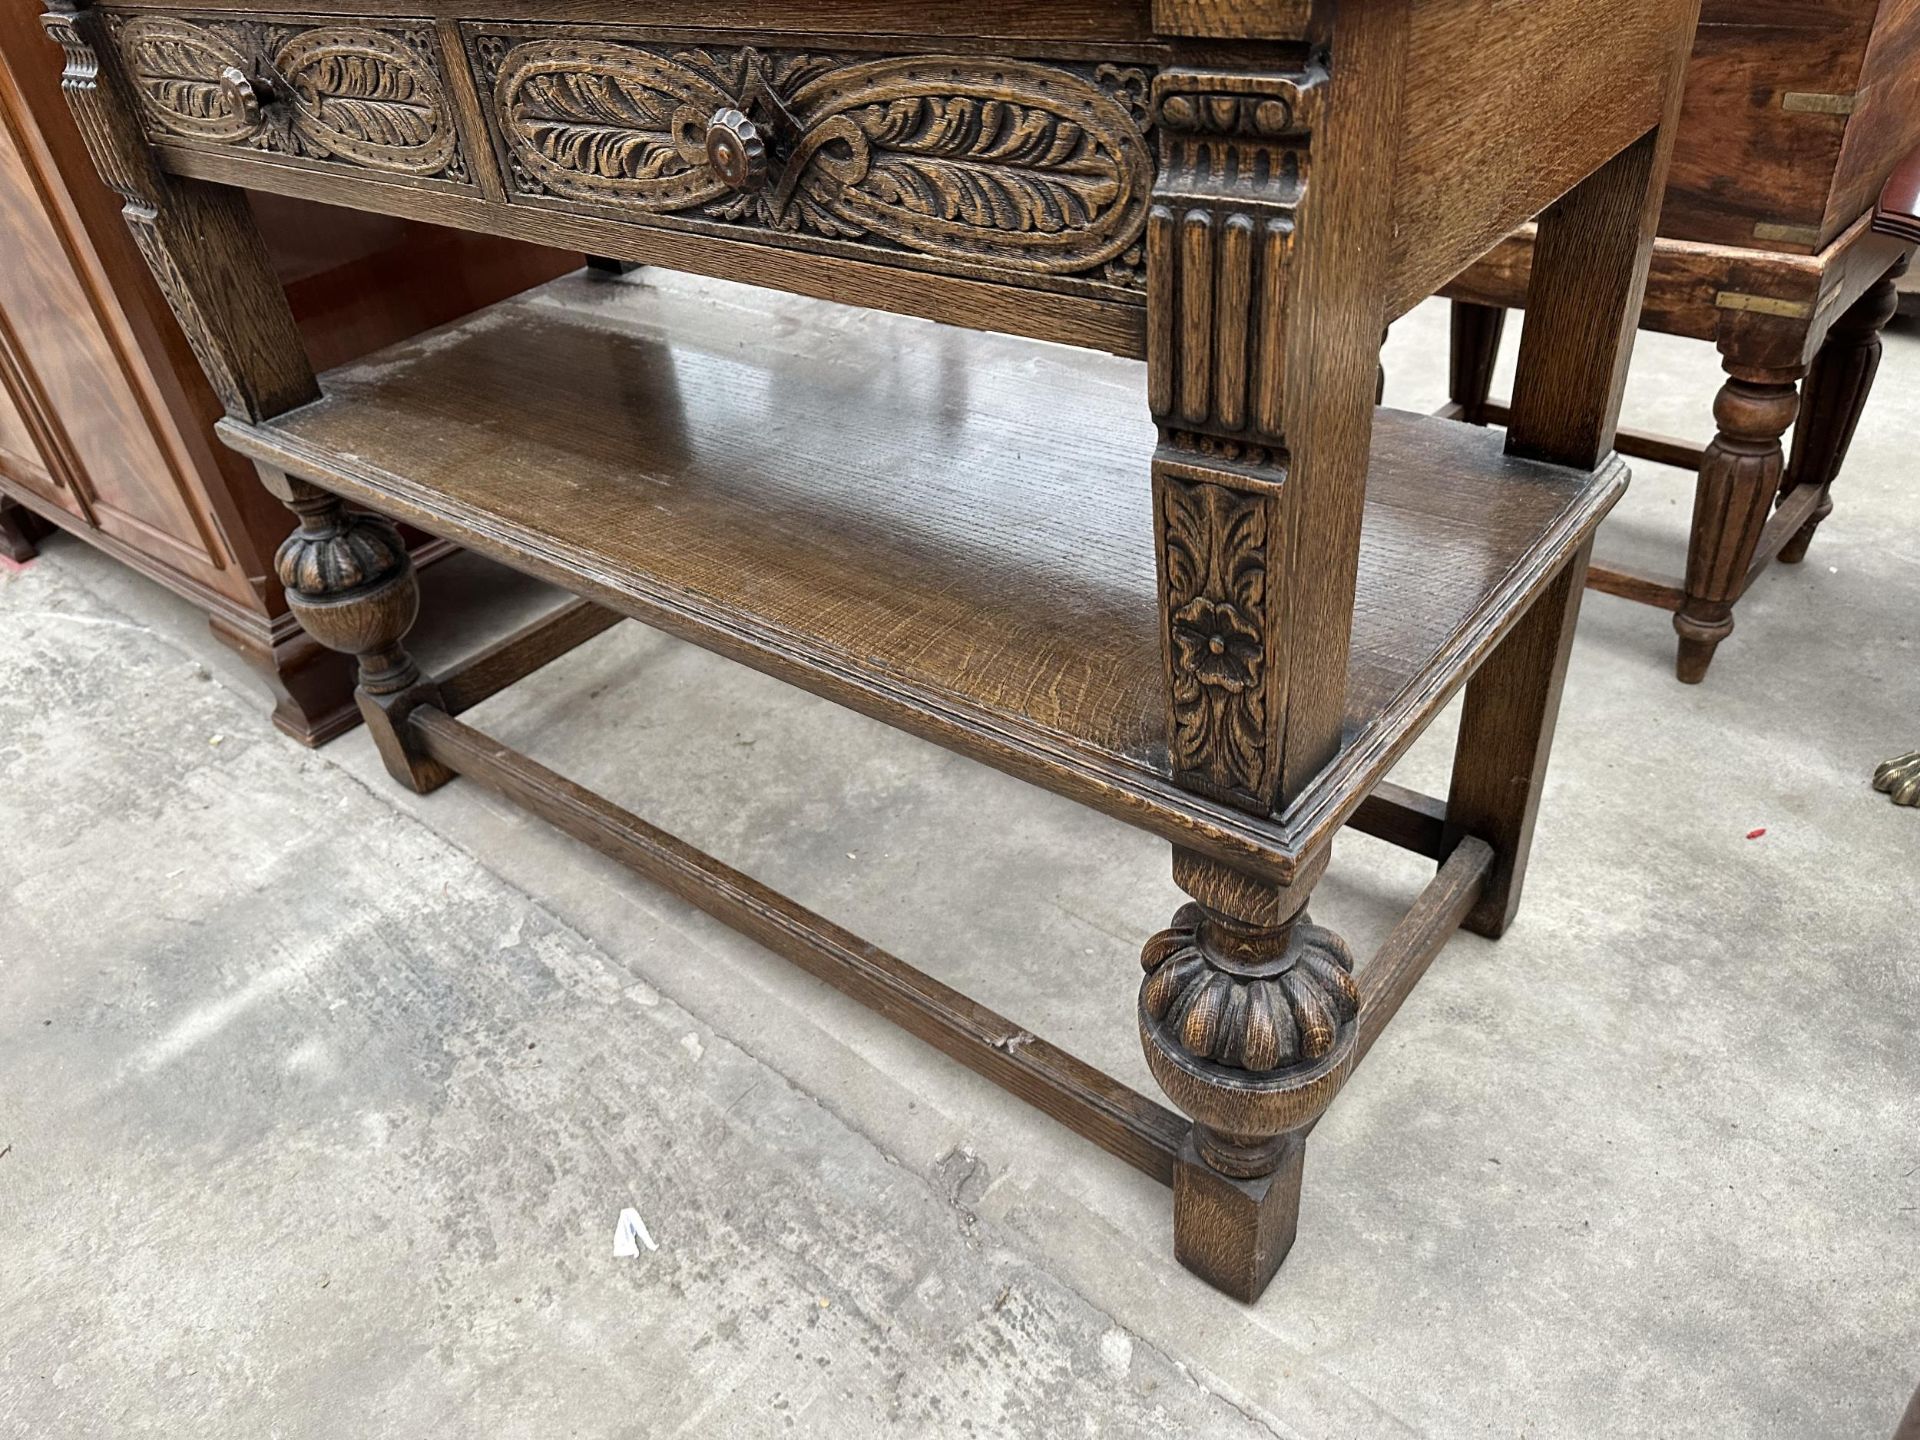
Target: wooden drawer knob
{"type": "Point", "coordinates": [239, 93]}
{"type": "Point", "coordinates": [736, 150]}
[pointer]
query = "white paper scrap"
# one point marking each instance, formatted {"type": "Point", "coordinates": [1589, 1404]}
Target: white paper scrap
{"type": "Point", "coordinates": [630, 1229]}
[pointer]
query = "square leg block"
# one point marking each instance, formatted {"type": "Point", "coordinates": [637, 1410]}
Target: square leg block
{"type": "Point", "coordinates": [1234, 1233]}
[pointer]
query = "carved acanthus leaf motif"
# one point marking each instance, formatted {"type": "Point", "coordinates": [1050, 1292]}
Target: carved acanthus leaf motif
{"type": "Point", "coordinates": [591, 121]}
{"type": "Point", "coordinates": [176, 70]}
{"type": "Point", "coordinates": [1216, 600]}
{"type": "Point", "coordinates": [1032, 167]}
{"type": "Point", "coordinates": [366, 95]}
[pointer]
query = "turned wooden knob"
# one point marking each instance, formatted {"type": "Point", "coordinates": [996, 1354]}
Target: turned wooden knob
{"type": "Point", "coordinates": [241, 97]}
{"type": "Point", "coordinates": [736, 150]}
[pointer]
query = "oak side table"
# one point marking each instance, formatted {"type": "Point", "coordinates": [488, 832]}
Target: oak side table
{"type": "Point", "coordinates": [1794, 116]}
{"type": "Point", "coordinates": [1218, 603]}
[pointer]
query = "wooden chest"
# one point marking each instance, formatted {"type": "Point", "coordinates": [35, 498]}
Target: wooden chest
{"type": "Point", "coordinates": [1794, 112]}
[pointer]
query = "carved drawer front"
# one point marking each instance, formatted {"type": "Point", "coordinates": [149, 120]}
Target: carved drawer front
{"type": "Point", "coordinates": [351, 91]}
{"type": "Point", "coordinates": [1034, 172]}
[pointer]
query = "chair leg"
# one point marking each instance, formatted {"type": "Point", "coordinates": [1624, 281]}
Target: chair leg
{"type": "Point", "coordinates": [1832, 400]}
{"type": "Point", "coordinates": [1506, 734]}
{"type": "Point", "coordinates": [1477, 330]}
{"type": "Point", "coordinates": [1739, 478]}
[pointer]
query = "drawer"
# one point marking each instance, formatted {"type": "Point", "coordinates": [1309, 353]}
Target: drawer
{"type": "Point", "coordinates": [1030, 171]}
{"type": "Point", "coordinates": [330, 90]}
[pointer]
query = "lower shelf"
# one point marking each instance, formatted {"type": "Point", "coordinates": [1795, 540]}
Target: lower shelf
{"type": "Point", "coordinates": [949, 530]}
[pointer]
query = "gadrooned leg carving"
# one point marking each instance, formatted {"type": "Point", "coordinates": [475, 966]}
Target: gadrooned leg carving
{"type": "Point", "coordinates": [1251, 1031]}
{"type": "Point", "coordinates": [350, 582]}
{"type": "Point", "coordinates": [1834, 396]}
{"type": "Point", "coordinates": [1900, 779]}
{"type": "Point", "coordinates": [1739, 478]}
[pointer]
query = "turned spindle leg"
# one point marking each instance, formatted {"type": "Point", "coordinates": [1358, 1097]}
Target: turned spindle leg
{"type": "Point", "coordinates": [1477, 330]}
{"type": "Point", "coordinates": [1832, 400]}
{"type": "Point", "coordinates": [351, 585]}
{"type": "Point", "coordinates": [1900, 779]}
{"type": "Point", "coordinates": [1739, 479]}
{"type": "Point", "coordinates": [1249, 1026]}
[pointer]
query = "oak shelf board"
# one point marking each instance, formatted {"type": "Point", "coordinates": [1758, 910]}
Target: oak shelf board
{"type": "Point", "coordinates": [892, 513]}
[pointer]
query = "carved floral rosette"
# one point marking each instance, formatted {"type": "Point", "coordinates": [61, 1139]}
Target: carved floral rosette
{"type": "Point", "coordinates": [1216, 541]}
{"type": "Point", "coordinates": [1028, 167]}
{"type": "Point", "coordinates": [351, 92]}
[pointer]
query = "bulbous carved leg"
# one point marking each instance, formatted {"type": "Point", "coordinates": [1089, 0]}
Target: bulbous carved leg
{"type": "Point", "coordinates": [1832, 401]}
{"type": "Point", "coordinates": [1900, 779]}
{"type": "Point", "coordinates": [1476, 350]}
{"type": "Point", "coordinates": [1250, 1030]}
{"type": "Point", "coordinates": [1739, 477]}
{"type": "Point", "coordinates": [351, 585]}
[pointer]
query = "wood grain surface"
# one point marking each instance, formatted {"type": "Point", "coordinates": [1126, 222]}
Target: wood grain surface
{"type": "Point", "coordinates": [878, 499]}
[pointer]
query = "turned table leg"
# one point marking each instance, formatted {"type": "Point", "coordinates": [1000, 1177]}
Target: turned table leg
{"type": "Point", "coordinates": [348, 578]}
{"type": "Point", "coordinates": [1739, 479]}
{"type": "Point", "coordinates": [351, 584]}
{"type": "Point", "coordinates": [1247, 1016]}
{"type": "Point", "coordinates": [1900, 779]}
{"type": "Point", "coordinates": [1477, 330]}
{"type": "Point", "coordinates": [1832, 400]}
{"type": "Point", "coordinates": [1264, 322]}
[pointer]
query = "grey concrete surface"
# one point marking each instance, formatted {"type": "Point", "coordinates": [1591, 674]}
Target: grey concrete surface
{"type": "Point", "coordinates": [319, 1101]}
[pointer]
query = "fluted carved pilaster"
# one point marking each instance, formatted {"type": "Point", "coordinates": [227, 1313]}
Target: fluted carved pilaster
{"type": "Point", "coordinates": [1234, 151]}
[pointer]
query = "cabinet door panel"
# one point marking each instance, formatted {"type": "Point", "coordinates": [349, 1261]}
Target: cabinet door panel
{"type": "Point", "coordinates": [96, 434]}
{"type": "Point", "coordinates": [20, 459]}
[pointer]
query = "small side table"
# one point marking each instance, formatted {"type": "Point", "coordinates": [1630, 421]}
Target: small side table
{"type": "Point", "coordinates": [1791, 122]}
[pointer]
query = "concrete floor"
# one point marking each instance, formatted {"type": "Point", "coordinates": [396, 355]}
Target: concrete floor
{"type": "Point", "coordinates": [319, 1101]}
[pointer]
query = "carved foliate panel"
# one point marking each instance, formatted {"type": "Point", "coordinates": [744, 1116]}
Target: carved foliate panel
{"type": "Point", "coordinates": [355, 92]}
{"type": "Point", "coordinates": [1221, 548]}
{"type": "Point", "coordinates": [1020, 169]}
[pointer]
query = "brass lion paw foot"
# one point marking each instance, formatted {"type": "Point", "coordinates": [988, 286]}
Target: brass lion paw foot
{"type": "Point", "coordinates": [1900, 779]}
